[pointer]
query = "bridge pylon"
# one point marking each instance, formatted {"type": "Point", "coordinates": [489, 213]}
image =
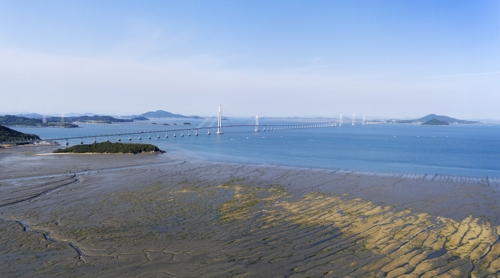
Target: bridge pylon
{"type": "Point", "coordinates": [219, 122]}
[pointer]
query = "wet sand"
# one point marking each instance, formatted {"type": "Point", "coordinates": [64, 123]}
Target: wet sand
{"type": "Point", "coordinates": [163, 215]}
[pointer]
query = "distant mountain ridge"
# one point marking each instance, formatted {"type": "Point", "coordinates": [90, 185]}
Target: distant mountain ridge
{"type": "Point", "coordinates": [441, 118]}
{"type": "Point", "coordinates": [165, 114]}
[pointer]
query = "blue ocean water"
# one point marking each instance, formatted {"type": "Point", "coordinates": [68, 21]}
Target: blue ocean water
{"type": "Point", "coordinates": [464, 150]}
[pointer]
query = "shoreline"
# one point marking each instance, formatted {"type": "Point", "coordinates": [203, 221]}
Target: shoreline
{"type": "Point", "coordinates": [458, 179]}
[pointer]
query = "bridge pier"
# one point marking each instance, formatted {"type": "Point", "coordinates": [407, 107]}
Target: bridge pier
{"type": "Point", "coordinates": [95, 141]}
{"type": "Point", "coordinates": [118, 138]}
{"type": "Point", "coordinates": [130, 139]}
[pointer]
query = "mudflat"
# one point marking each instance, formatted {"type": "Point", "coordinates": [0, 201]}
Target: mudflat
{"type": "Point", "coordinates": [165, 215]}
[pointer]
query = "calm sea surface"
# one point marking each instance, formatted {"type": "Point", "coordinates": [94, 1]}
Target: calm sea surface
{"type": "Point", "coordinates": [465, 150]}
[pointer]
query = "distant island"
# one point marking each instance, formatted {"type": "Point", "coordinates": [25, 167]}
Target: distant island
{"type": "Point", "coordinates": [435, 122]}
{"type": "Point", "coordinates": [139, 118]}
{"type": "Point", "coordinates": [11, 120]}
{"type": "Point", "coordinates": [67, 122]}
{"type": "Point", "coordinates": [91, 119]}
{"type": "Point", "coordinates": [10, 135]}
{"type": "Point", "coordinates": [111, 148]}
{"type": "Point", "coordinates": [440, 118]}
{"type": "Point", "coordinates": [165, 114]}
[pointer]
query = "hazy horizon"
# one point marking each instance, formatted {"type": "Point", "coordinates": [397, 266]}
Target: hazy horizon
{"type": "Point", "coordinates": [345, 116]}
{"type": "Point", "coordinates": [394, 59]}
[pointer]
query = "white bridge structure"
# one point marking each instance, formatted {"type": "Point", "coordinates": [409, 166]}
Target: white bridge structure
{"type": "Point", "coordinates": [174, 132]}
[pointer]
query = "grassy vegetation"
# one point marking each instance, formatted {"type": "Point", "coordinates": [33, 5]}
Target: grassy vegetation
{"type": "Point", "coordinates": [108, 147]}
{"type": "Point", "coordinates": [10, 135]}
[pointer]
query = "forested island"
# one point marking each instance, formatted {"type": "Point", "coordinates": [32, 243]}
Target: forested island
{"type": "Point", "coordinates": [165, 114]}
{"type": "Point", "coordinates": [111, 148]}
{"type": "Point", "coordinates": [10, 135]}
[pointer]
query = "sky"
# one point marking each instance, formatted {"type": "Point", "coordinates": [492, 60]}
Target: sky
{"type": "Point", "coordinates": [269, 58]}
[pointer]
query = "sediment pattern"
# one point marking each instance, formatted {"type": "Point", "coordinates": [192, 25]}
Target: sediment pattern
{"type": "Point", "coordinates": [205, 219]}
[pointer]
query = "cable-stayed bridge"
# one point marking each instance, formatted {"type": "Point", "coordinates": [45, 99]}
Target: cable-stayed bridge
{"type": "Point", "coordinates": [186, 131]}
{"type": "Point", "coordinates": [177, 132]}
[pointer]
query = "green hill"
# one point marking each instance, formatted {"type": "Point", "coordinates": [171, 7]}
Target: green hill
{"type": "Point", "coordinates": [108, 147]}
{"type": "Point", "coordinates": [10, 135]}
{"type": "Point", "coordinates": [435, 122]}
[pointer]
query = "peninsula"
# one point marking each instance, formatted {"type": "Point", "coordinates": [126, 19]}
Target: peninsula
{"type": "Point", "coordinates": [10, 135]}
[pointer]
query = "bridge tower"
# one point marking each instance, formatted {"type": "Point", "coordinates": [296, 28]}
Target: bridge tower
{"type": "Point", "coordinates": [219, 124]}
{"type": "Point", "coordinates": [62, 118]}
{"type": "Point", "coordinates": [44, 120]}
{"type": "Point", "coordinates": [341, 121]}
{"type": "Point", "coordinates": [257, 123]}
{"type": "Point", "coordinates": [353, 119]}
{"type": "Point", "coordinates": [364, 119]}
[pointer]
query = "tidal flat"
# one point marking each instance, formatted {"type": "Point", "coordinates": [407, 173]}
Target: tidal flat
{"type": "Point", "coordinates": [164, 215]}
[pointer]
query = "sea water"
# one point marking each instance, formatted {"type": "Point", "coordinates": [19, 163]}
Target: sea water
{"type": "Point", "coordinates": [463, 150]}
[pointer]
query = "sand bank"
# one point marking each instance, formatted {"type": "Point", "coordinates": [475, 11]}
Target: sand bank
{"type": "Point", "coordinates": [167, 216]}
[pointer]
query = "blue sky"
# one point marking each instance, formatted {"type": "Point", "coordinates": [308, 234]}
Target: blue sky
{"type": "Point", "coordinates": [272, 58]}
